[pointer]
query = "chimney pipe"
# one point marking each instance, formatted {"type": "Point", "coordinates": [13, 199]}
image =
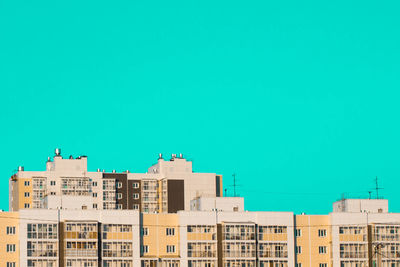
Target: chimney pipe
{"type": "Point", "coordinates": [58, 152]}
{"type": "Point", "coordinates": [20, 168]}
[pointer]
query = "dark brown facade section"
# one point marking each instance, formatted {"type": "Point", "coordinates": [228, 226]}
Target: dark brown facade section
{"type": "Point", "coordinates": [176, 195]}
{"type": "Point", "coordinates": [122, 180]}
{"type": "Point", "coordinates": [61, 244]}
{"type": "Point", "coordinates": [218, 186]}
{"type": "Point", "coordinates": [132, 191]}
{"type": "Point", "coordinates": [219, 245]}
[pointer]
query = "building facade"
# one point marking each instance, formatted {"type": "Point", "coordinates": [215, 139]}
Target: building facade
{"type": "Point", "coordinates": [172, 217]}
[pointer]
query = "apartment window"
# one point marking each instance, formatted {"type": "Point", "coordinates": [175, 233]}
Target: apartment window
{"type": "Point", "coordinates": [323, 265]}
{"type": "Point", "coordinates": [170, 231]}
{"type": "Point", "coordinates": [26, 183]}
{"type": "Point", "coordinates": [322, 250]}
{"type": "Point", "coordinates": [298, 249]}
{"type": "Point", "coordinates": [52, 182]}
{"type": "Point", "coordinates": [135, 185]}
{"type": "Point", "coordinates": [53, 193]}
{"type": "Point", "coordinates": [10, 264]}
{"type": "Point", "coordinates": [136, 196]}
{"type": "Point", "coordinates": [94, 183]}
{"type": "Point", "coordinates": [119, 185]}
{"type": "Point", "coordinates": [10, 230]}
{"type": "Point", "coordinates": [26, 205]}
{"type": "Point", "coordinates": [119, 195]}
{"type": "Point", "coordinates": [95, 206]}
{"type": "Point", "coordinates": [297, 232]}
{"type": "Point", "coordinates": [145, 231]}
{"type": "Point", "coordinates": [298, 265]}
{"type": "Point", "coordinates": [321, 232]}
{"type": "Point", "coordinates": [10, 247]}
{"type": "Point", "coordinates": [26, 194]}
{"type": "Point", "coordinates": [119, 206]}
{"type": "Point", "coordinates": [94, 194]}
{"type": "Point", "coordinates": [136, 206]}
{"type": "Point", "coordinates": [170, 249]}
{"type": "Point", "coordinates": [145, 249]}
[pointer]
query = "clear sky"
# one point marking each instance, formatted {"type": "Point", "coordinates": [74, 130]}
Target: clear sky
{"type": "Point", "coordinates": [299, 98]}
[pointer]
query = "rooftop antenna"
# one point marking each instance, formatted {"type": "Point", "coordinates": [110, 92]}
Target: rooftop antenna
{"type": "Point", "coordinates": [377, 188]}
{"type": "Point", "coordinates": [234, 184]}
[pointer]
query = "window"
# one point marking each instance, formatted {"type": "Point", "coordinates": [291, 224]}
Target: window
{"type": "Point", "coordinates": [26, 194]}
{"type": "Point", "coordinates": [119, 195]}
{"type": "Point", "coordinates": [136, 206]}
{"type": "Point", "coordinates": [322, 250]}
{"type": "Point", "coordinates": [94, 194]}
{"type": "Point", "coordinates": [26, 183]}
{"type": "Point", "coordinates": [10, 230]}
{"type": "Point", "coordinates": [94, 183]}
{"type": "Point", "coordinates": [323, 265]}
{"type": "Point", "coordinates": [119, 206]}
{"type": "Point", "coordinates": [53, 193]}
{"type": "Point", "coordinates": [321, 232]}
{"type": "Point", "coordinates": [119, 185]}
{"type": "Point", "coordinates": [95, 206]}
{"type": "Point", "coordinates": [297, 232]}
{"type": "Point", "coordinates": [170, 231]}
{"type": "Point", "coordinates": [170, 249]}
{"type": "Point", "coordinates": [145, 249]}
{"type": "Point", "coordinates": [298, 249]}
{"type": "Point", "coordinates": [10, 247]}
{"type": "Point", "coordinates": [298, 264]}
{"type": "Point", "coordinates": [52, 182]}
{"type": "Point", "coordinates": [10, 264]}
{"type": "Point", "coordinates": [136, 196]}
{"type": "Point", "coordinates": [145, 231]}
{"type": "Point", "coordinates": [26, 205]}
{"type": "Point", "coordinates": [135, 185]}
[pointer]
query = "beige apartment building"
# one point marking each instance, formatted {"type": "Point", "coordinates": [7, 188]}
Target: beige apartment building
{"type": "Point", "coordinates": [173, 217]}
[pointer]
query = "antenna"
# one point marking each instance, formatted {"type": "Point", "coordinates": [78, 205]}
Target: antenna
{"type": "Point", "coordinates": [377, 188]}
{"type": "Point", "coordinates": [234, 184]}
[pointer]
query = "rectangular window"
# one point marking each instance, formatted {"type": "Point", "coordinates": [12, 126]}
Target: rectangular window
{"type": "Point", "coordinates": [26, 194]}
{"type": "Point", "coordinates": [170, 231]}
{"type": "Point", "coordinates": [52, 182]}
{"type": "Point", "coordinates": [94, 183]}
{"type": "Point", "coordinates": [95, 206]}
{"type": "Point", "coordinates": [321, 232]}
{"type": "Point", "coordinates": [298, 265]}
{"type": "Point", "coordinates": [323, 265]}
{"type": "Point", "coordinates": [322, 250]}
{"type": "Point", "coordinates": [119, 206]}
{"type": "Point", "coordinates": [297, 232]}
{"type": "Point", "coordinates": [136, 206]}
{"type": "Point", "coordinates": [94, 194]}
{"type": "Point", "coordinates": [170, 249]}
{"type": "Point", "coordinates": [26, 183]}
{"type": "Point", "coordinates": [119, 185]}
{"type": "Point", "coordinates": [298, 249]}
{"type": "Point", "coordinates": [119, 195]}
{"type": "Point", "coordinates": [53, 193]}
{"type": "Point", "coordinates": [26, 205]}
{"type": "Point", "coordinates": [135, 185]}
{"type": "Point", "coordinates": [10, 264]}
{"type": "Point", "coordinates": [145, 231]}
{"type": "Point", "coordinates": [10, 247]}
{"type": "Point", "coordinates": [135, 196]}
{"type": "Point", "coordinates": [10, 230]}
{"type": "Point", "coordinates": [145, 249]}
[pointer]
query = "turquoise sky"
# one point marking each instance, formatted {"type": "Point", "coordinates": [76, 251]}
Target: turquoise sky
{"type": "Point", "coordinates": [299, 98]}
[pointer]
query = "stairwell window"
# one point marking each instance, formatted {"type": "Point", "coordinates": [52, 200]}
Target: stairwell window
{"type": "Point", "coordinates": [10, 230]}
{"type": "Point", "coordinates": [297, 232]}
{"type": "Point", "coordinates": [170, 231]}
{"type": "Point", "coordinates": [321, 232]}
{"type": "Point", "coordinates": [10, 247]}
{"type": "Point", "coordinates": [298, 249]}
{"type": "Point", "coordinates": [323, 265]}
{"type": "Point", "coordinates": [170, 249]}
{"type": "Point", "coordinates": [322, 250]}
{"type": "Point", "coordinates": [26, 194]}
{"type": "Point", "coordinates": [10, 264]}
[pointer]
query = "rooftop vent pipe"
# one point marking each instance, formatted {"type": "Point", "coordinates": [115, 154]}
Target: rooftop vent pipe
{"type": "Point", "coordinates": [58, 152]}
{"type": "Point", "coordinates": [20, 168]}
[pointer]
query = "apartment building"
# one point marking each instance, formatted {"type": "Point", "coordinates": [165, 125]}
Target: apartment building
{"type": "Point", "coordinates": [172, 217]}
{"type": "Point", "coordinates": [167, 187]}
